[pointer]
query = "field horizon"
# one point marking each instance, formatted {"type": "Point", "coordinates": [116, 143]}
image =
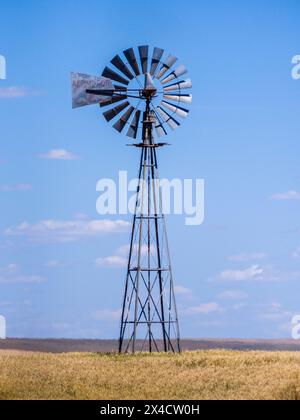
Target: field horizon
{"type": "Point", "coordinates": [65, 345]}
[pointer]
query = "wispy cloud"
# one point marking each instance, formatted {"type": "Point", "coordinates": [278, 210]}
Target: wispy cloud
{"type": "Point", "coordinates": [286, 196]}
{"type": "Point", "coordinates": [275, 312]}
{"type": "Point", "coordinates": [13, 92]}
{"type": "Point", "coordinates": [66, 231]}
{"type": "Point", "coordinates": [232, 295]}
{"type": "Point", "coordinates": [257, 273]}
{"type": "Point", "coordinates": [248, 257]}
{"type": "Point", "coordinates": [5, 303]}
{"type": "Point", "coordinates": [206, 308]}
{"type": "Point", "coordinates": [120, 257]}
{"type": "Point", "coordinates": [73, 330]}
{"type": "Point", "coordinates": [250, 273]}
{"type": "Point", "coordinates": [107, 315]}
{"type": "Point", "coordinates": [118, 260]}
{"type": "Point", "coordinates": [238, 306]}
{"type": "Point", "coordinates": [296, 253]}
{"type": "Point", "coordinates": [124, 250]}
{"type": "Point", "coordinates": [53, 264]}
{"type": "Point", "coordinates": [180, 290]}
{"type": "Point", "coordinates": [58, 154]}
{"type": "Point", "coordinates": [81, 216]}
{"type": "Point", "coordinates": [114, 261]}
{"type": "Point", "coordinates": [17, 187]}
{"type": "Point", "coordinates": [12, 274]}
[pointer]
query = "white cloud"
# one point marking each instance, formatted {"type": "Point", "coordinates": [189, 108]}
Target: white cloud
{"type": "Point", "coordinates": [81, 216]}
{"type": "Point", "coordinates": [296, 253]}
{"type": "Point", "coordinates": [72, 330]}
{"type": "Point", "coordinates": [58, 154]}
{"type": "Point", "coordinates": [5, 304]}
{"type": "Point", "coordinates": [272, 274]}
{"type": "Point", "coordinates": [113, 261]}
{"type": "Point", "coordinates": [242, 275]}
{"type": "Point", "coordinates": [66, 231]}
{"type": "Point", "coordinates": [248, 257]}
{"type": "Point", "coordinates": [239, 306]}
{"type": "Point", "coordinates": [17, 187]}
{"type": "Point", "coordinates": [13, 92]}
{"type": "Point", "coordinates": [275, 312]}
{"type": "Point", "coordinates": [289, 195]}
{"type": "Point", "coordinates": [120, 258]}
{"type": "Point", "coordinates": [233, 295]}
{"type": "Point", "coordinates": [52, 263]}
{"type": "Point", "coordinates": [180, 290]}
{"type": "Point", "coordinates": [256, 273]}
{"type": "Point", "coordinates": [107, 315]}
{"type": "Point", "coordinates": [5, 244]}
{"type": "Point", "coordinates": [206, 308]}
{"type": "Point", "coordinates": [12, 274]}
{"type": "Point", "coordinates": [124, 250]}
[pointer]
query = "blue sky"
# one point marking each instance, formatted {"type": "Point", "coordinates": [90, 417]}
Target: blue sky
{"type": "Point", "coordinates": [238, 274]}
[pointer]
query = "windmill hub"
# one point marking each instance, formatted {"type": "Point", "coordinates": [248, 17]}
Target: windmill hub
{"type": "Point", "coordinates": [149, 90]}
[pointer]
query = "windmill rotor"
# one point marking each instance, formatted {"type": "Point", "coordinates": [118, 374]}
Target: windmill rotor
{"type": "Point", "coordinates": [137, 77]}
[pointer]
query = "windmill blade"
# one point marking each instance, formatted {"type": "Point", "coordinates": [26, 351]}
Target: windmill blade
{"type": "Point", "coordinates": [171, 60]}
{"type": "Point", "coordinates": [184, 84]}
{"type": "Point", "coordinates": [144, 54]}
{"type": "Point", "coordinates": [100, 92]}
{"type": "Point", "coordinates": [172, 123]}
{"type": "Point", "coordinates": [186, 99]}
{"type": "Point", "coordinates": [113, 100]}
{"type": "Point", "coordinates": [110, 74]}
{"type": "Point", "coordinates": [181, 112]}
{"type": "Point", "coordinates": [119, 88]}
{"type": "Point", "coordinates": [83, 82]}
{"type": "Point", "coordinates": [130, 55]}
{"type": "Point", "coordinates": [180, 71]}
{"type": "Point", "coordinates": [119, 125]}
{"type": "Point", "coordinates": [160, 129]}
{"type": "Point", "coordinates": [133, 129]}
{"type": "Point", "coordinates": [112, 113]}
{"type": "Point", "coordinates": [157, 55]}
{"type": "Point", "coordinates": [120, 65]}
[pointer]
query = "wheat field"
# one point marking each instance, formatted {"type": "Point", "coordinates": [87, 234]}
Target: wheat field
{"type": "Point", "coordinates": [203, 375]}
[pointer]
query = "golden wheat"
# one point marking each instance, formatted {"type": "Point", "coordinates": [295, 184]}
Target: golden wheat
{"type": "Point", "coordinates": [216, 374]}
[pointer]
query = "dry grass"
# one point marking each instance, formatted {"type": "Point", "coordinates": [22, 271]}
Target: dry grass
{"type": "Point", "coordinates": [192, 375]}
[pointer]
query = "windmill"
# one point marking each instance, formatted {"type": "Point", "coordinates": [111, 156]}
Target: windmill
{"type": "Point", "coordinates": [143, 93]}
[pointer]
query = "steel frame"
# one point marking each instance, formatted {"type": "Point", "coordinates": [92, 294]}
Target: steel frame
{"type": "Point", "coordinates": [149, 320]}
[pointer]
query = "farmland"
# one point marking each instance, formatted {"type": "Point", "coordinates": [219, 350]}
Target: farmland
{"type": "Point", "coordinates": [203, 375]}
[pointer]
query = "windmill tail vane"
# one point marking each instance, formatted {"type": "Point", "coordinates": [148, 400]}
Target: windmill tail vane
{"type": "Point", "coordinates": [143, 94]}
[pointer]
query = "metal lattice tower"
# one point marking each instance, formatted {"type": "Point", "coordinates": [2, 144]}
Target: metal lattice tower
{"type": "Point", "coordinates": [149, 320]}
{"type": "Point", "coordinates": [149, 307]}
